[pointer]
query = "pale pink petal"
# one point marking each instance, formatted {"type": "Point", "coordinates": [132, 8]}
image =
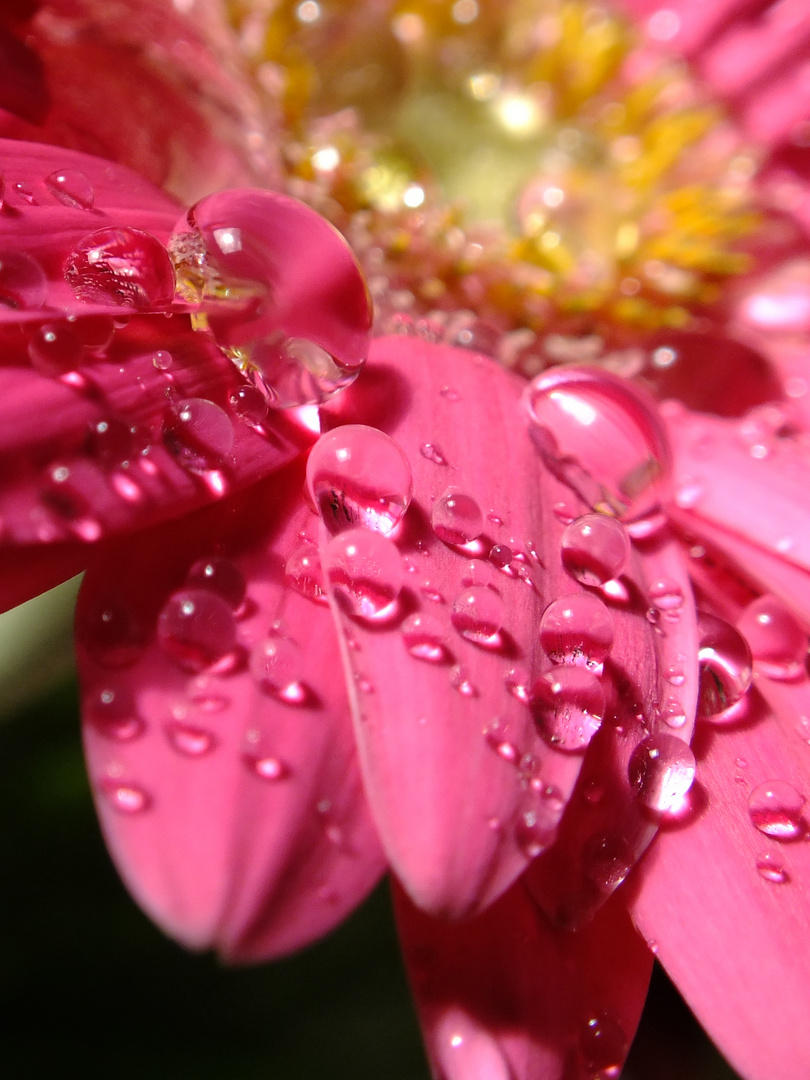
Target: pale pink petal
{"type": "Point", "coordinates": [686, 25]}
{"type": "Point", "coordinates": [433, 729]}
{"type": "Point", "coordinates": [726, 906]}
{"type": "Point", "coordinates": [233, 809]}
{"type": "Point", "coordinates": [506, 996]}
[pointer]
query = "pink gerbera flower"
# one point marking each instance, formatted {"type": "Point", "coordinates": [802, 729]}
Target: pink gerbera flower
{"type": "Point", "coordinates": [424, 611]}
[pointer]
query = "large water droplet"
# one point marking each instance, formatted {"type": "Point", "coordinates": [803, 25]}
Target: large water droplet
{"type": "Point", "coordinates": [196, 628]}
{"type": "Point", "coordinates": [358, 476]}
{"type": "Point", "coordinates": [457, 518]}
{"type": "Point", "coordinates": [577, 630]}
{"type": "Point", "coordinates": [366, 573]}
{"type": "Point", "coordinates": [189, 740]}
{"type": "Point", "coordinates": [725, 670]}
{"type": "Point", "coordinates": [776, 809]}
{"type": "Point", "coordinates": [113, 713]}
{"type": "Point", "coordinates": [71, 188]}
{"type": "Point", "coordinates": [423, 636]}
{"type": "Point", "coordinates": [198, 434]}
{"type": "Point", "coordinates": [478, 615]}
{"type": "Point", "coordinates": [777, 640]}
{"type": "Point", "coordinates": [661, 770]}
{"type": "Point", "coordinates": [304, 574]}
{"type": "Point", "coordinates": [121, 266]}
{"type": "Point", "coordinates": [603, 1046]}
{"type": "Point", "coordinates": [603, 438]}
{"type": "Point", "coordinates": [595, 549]}
{"type": "Point", "coordinates": [568, 704]}
{"type": "Point", "coordinates": [126, 798]}
{"type": "Point", "coordinates": [221, 576]}
{"type": "Point", "coordinates": [23, 284]}
{"type": "Point", "coordinates": [277, 665]}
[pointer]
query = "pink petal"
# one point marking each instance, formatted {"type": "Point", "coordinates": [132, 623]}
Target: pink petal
{"type": "Point", "coordinates": [508, 997]}
{"type": "Point", "coordinates": [463, 790]}
{"type": "Point", "coordinates": [67, 476]}
{"type": "Point", "coordinates": [727, 906]}
{"type": "Point", "coordinates": [234, 812]}
{"type": "Point", "coordinates": [23, 91]}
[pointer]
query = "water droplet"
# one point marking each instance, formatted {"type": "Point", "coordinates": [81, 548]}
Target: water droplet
{"type": "Point", "coordinates": [673, 714]}
{"type": "Point", "coordinates": [71, 188]}
{"type": "Point", "coordinates": [518, 683]}
{"type": "Point", "coordinates": [603, 1046]}
{"type": "Point", "coordinates": [661, 770]}
{"type": "Point", "coordinates": [501, 556]}
{"type": "Point", "coordinates": [725, 670]}
{"type": "Point", "coordinates": [450, 394]}
{"type": "Point", "coordinates": [568, 704]}
{"type": "Point", "coordinates": [666, 596]}
{"type": "Point", "coordinates": [121, 266]}
{"type": "Point", "coordinates": [366, 573]}
{"type": "Point", "coordinates": [466, 1049]}
{"type": "Point", "coordinates": [607, 859]}
{"type": "Point", "coordinates": [433, 452]}
{"type": "Point", "coordinates": [188, 740]}
{"type": "Point", "coordinates": [54, 349]}
{"type": "Point", "coordinates": [577, 630]}
{"type": "Point", "coordinates": [502, 747]}
{"type": "Point", "coordinates": [771, 867]}
{"type": "Point", "coordinates": [162, 360]}
{"type": "Point", "coordinates": [460, 680]}
{"type": "Point", "coordinates": [221, 576]}
{"type": "Point", "coordinates": [25, 192]}
{"type": "Point", "coordinates": [776, 809]}
{"type": "Point", "coordinates": [198, 434]}
{"type": "Point", "coordinates": [424, 638]}
{"type": "Point", "coordinates": [126, 798]}
{"type": "Point", "coordinates": [777, 640]}
{"type": "Point", "coordinates": [277, 665]}
{"type": "Point", "coordinates": [603, 438]}
{"type": "Point", "coordinates": [248, 405]}
{"type": "Point", "coordinates": [196, 628]}
{"type": "Point", "coordinates": [266, 768]}
{"type": "Point", "coordinates": [113, 713]}
{"type": "Point", "coordinates": [531, 837]}
{"type": "Point", "coordinates": [23, 284]}
{"type": "Point", "coordinates": [478, 615]}
{"type": "Point", "coordinates": [304, 574]}
{"type": "Point", "coordinates": [595, 549]}
{"type": "Point", "coordinates": [358, 476]}
{"type": "Point", "coordinates": [457, 518]}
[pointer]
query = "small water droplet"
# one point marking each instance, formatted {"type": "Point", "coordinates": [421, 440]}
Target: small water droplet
{"type": "Point", "coordinates": [460, 680]}
{"type": "Point", "coordinates": [95, 332]}
{"type": "Point", "coordinates": [433, 452]}
{"type": "Point", "coordinates": [661, 771]}
{"type": "Point", "coordinates": [111, 442]}
{"type": "Point", "coordinates": [162, 360]}
{"type": "Point", "coordinates": [603, 1046]}
{"type": "Point", "coordinates": [423, 636]}
{"type": "Point", "coordinates": [666, 596]}
{"type": "Point", "coordinates": [358, 476]}
{"type": "Point", "coordinates": [188, 740]}
{"type": "Point", "coordinates": [771, 867]}
{"type": "Point", "coordinates": [249, 405]}
{"type": "Point", "coordinates": [126, 798]}
{"type": "Point", "coordinates": [198, 434]}
{"type": "Point", "coordinates": [577, 630]}
{"type": "Point", "coordinates": [775, 808]}
{"type": "Point", "coordinates": [502, 747]}
{"type": "Point", "coordinates": [531, 837]}
{"type": "Point", "coordinates": [71, 188]}
{"type": "Point", "coordinates": [121, 266]}
{"type": "Point", "coordinates": [500, 555]}
{"type": "Point", "coordinates": [607, 859]}
{"type": "Point", "coordinates": [196, 628]}
{"type": "Point", "coordinates": [457, 518]}
{"type": "Point", "coordinates": [304, 574]}
{"type": "Point", "coordinates": [366, 573]}
{"type": "Point", "coordinates": [595, 549]}
{"type": "Point", "coordinates": [54, 349]}
{"type": "Point", "coordinates": [277, 665]}
{"type": "Point", "coordinates": [478, 615]}
{"type": "Point", "coordinates": [568, 704]}
{"type": "Point", "coordinates": [725, 670]}
{"type": "Point", "coordinates": [113, 713]}
{"type": "Point", "coordinates": [221, 576]}
{"type": "Point", "coordinates": [266, 768]}
{"type": "Point", "coordinates": [25, 192]}
{"type": "Point", "coordinates": [450, 394]}
{"type": "Point", "coordinates": [23, 284]}
{"type": "Point", "coordinates": [778, 642]}
{"type": "Point", "coordinates": [518, 683]}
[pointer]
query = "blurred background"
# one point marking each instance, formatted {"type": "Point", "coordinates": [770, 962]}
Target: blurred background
{"type": "Point", "coordinates": [89, 988]}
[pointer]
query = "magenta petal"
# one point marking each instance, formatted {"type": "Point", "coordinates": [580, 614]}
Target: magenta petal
{"type": "Point", "coordinates": [727, 905]}
{"type": "Point", "coordinates": [232, 806]}
{"type": "Point", "coordinates": [508, 997]}
{"type": "Point", "coordinates": [103, 450]}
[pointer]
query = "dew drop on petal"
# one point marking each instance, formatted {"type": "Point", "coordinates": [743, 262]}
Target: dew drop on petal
{"type": "Point", "coordinates": [607, 859]}
{"type": "Point", "coordinates": [778, 642]}
{"type": "Point", "coordinates": [478, 615]}
{"type": "Point", "coordinates": [198, 434]}
{"type": "Point", "coordinates": [23, 284]}
{"type": "Point", "coordinates": [460, 681]}
{"type": "Point", "coordinates": [666, 595]}
{"type": "Point", "coordinates": [568, 704]}
{"type": "Point", "coordinates": [121, 266]}
{"type": "Point", "coordinates": [500, 555]}
{"type": "Point", "coordinates": [595, 548]}
{"type": "Point", "coordinates": [248, 405]}
{"type": "Point", "coordinates": [603, 1046]}
{"type": "Point", "coordinates": [303, 573]}
{"type": "Point", "coordinates": [531, 837]}
{"type": "Point", "coordinates": [366, 573]}
{"type": "Point", "coordinates": [423, 637]}
{"type": "Point", "coordinates": [196, 628]}
{"type": "Point", "coordinates": [661, 771]}
{"type": "Point", "coordinates": [189, 740]}
{"type": "Point", "coordinates": [518, 682]}
{"type": "Point", "coordinates": [72, 188]}
{"type": "Point", "coordinates": [358, 476]}
{"type": "Point", "coordinates": [771, 867]}
{"type": "Point", "coordinates": [577, 630]}
{"type": "Point", "coordinates": [603, 438]}
{"type": "Point", "coordinates": [221, 576]}
{"type": "Point", "coordinates": [126, 798]}
{"type": "Point", "coordinates": [725, 670]}
{"type": "Point", "coordinates": [775, 808]}
{"type": "Point", "coordinates": [433, 452]}
{"type": "Point", "coordinates": [113, 713]}
{"type": "Point", "coordinates": [294, 371]}
{"type": "Point", "coordinates": [457, 518]}
{"type": "Point", "coordinates": [465, 1049]}
{"type": "Point", "coordinates": [266, 768]}
{"type": "Point", "coordinates": [277, 665]}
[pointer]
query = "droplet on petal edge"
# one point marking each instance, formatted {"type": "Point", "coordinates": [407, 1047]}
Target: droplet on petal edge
{"type": "Point", "coordinates": [725, 670]}
{"type": "Point", "coordinates": [366, 573]}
